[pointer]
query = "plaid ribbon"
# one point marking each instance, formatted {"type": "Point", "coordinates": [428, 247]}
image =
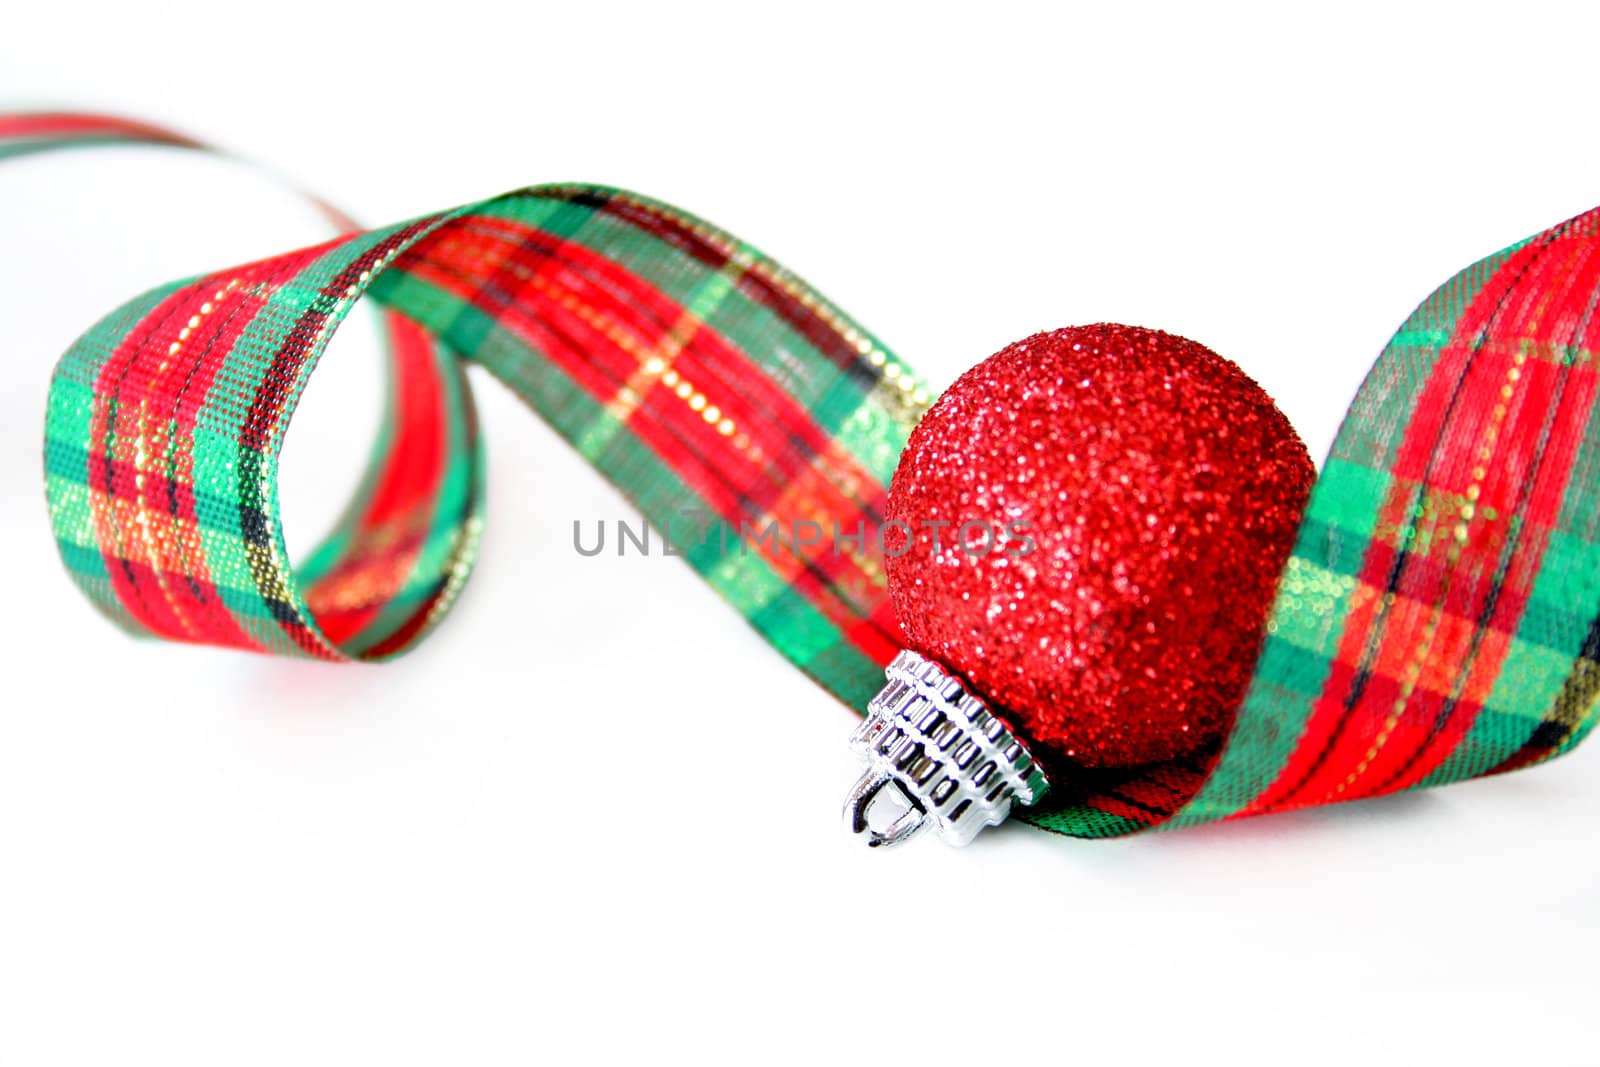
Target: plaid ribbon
{"type": "Point", "coordinates": [1439, 619]}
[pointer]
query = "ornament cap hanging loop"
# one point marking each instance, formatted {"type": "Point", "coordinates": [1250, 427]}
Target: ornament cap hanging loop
{"type": "Point", "coordinates": [949, 762]}
{"type": "Point", "coordinates": [868, 794]}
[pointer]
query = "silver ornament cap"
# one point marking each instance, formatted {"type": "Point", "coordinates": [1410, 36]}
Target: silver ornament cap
{"type": "Point", "coordinates": [937, 754]}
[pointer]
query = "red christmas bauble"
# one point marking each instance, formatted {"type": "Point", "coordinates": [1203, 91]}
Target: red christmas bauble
{"type": "Point", "coordinates": [1088, 527]}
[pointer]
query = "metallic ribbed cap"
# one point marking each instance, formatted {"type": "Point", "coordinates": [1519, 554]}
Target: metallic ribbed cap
{"type": "Point", "coordinates": [949, 761]}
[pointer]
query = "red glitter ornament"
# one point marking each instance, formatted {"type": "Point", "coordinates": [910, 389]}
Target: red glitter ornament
{"type": "Point", "coordinates": [1090, 528]}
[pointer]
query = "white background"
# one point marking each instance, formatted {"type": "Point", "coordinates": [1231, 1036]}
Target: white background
{"type": "Point", "coordinates": [566, 829]}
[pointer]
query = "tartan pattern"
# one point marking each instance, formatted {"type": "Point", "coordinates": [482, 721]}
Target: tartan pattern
{"type": "Point", "coordinates": [704, 379]}
{"type": "Point", "coordinates": [1438, 620]}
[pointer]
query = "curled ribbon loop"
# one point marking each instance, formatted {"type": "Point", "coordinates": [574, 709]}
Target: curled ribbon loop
{"type": "Point", "coordinates": [697, 374]}
{"type": "Point", "coordinates": [1439, 619]}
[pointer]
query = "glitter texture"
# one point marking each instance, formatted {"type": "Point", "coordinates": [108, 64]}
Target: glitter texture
{"type": "Point", "coordinates": [1161, 490]}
